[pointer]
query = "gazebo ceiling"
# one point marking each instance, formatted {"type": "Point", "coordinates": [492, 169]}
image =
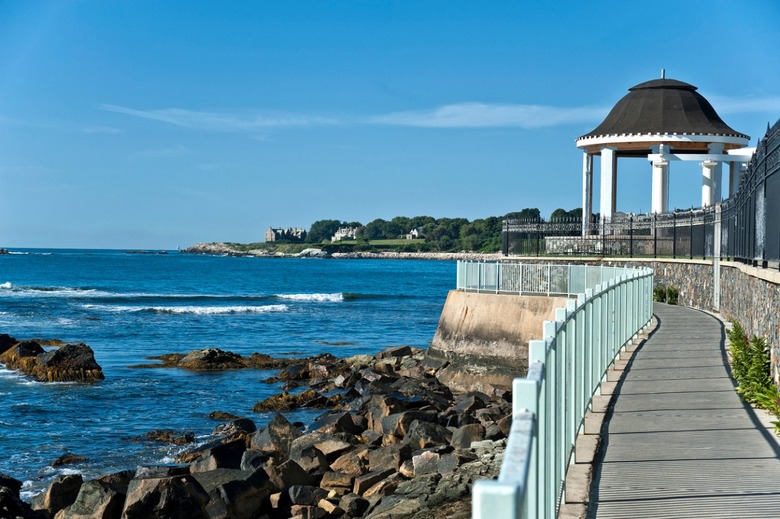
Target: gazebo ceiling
{"type": "Point", "coordinates": [662, 111]}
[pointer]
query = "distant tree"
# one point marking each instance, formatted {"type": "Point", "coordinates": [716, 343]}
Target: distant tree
{"type": "Point", "coordinates": [373, 230]}
{"type": "Point", "coordinates": [322, 230]}
{"type": "Point", "coordinates": [526, 214]}
{"type": "Point", "coordinates": [420, 221]}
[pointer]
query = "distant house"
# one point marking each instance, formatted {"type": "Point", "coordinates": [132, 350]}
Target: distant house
{"type": "Point", "coordinates": [344, 233]}
{"type": "Point", "coordinates": [413, 235]}
{"type": "Point", "coordinates": [287, 234]}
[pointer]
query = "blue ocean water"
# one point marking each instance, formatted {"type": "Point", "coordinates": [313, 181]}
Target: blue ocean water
{"type": "Point", "coordinates": [130, 306]}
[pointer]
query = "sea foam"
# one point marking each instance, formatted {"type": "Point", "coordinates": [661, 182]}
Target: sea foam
{"type": "Point", "coordinates": [315, 298]}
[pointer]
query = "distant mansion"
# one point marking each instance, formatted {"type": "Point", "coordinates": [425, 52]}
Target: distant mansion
{"type": "Point", "coordinates": [344, 233]}
{"type": "Point", "coordinates": [288, 234]}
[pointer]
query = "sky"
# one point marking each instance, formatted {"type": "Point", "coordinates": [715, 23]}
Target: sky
{"type": "Point", "coordinates": [148, 124]}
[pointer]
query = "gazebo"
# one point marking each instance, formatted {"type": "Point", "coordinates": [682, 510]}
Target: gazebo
{"type": "Point", "coordinates": [662, 120]}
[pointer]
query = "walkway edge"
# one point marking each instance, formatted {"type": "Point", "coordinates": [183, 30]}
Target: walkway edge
{"type": "Point", "coordinates": [579, 473]}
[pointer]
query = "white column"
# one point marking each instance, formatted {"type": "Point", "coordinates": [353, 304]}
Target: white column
{"type": "Point", "coordinates": [716, 148]}
{"type": "Point", "coordinates": [660, 200]}
{"type": "Point", "coordinates": [735, 169]}
{"type": "Point", "coordinates": [587, 191]}
{"type": "Point", "coordinates": [708, 182]}
{"type": "Point", "coordinates": [608, 195]}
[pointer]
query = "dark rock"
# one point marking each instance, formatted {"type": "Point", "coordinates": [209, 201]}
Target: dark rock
{"type": "Point", "coordinates": [285, 401]}
{"type": "Point", "coordinates": [22, 356]}
{"type": "Point", "coordinates": [6, 341]}
{"type": "Point", "coordinates": [170, 436]}
{"type": "Point", "coordinates": [366, 481]}
{"type": "Point", "coordinates": [253, 459]}
{"type": "Point", "coordinates": [277, 437]}
{"type": "Point", "coordinates": [354, 505]}
{"type": "Point", "coordinates": [352, 462]}
{"type": "Point", "coordinates": [288, 474]}
{"type": "Point", "coordinates": [394, 351]}
{"type": "Point", "coordinates": [398, 424]}
{"type": "Point", "coordinates": [223, 456]}
{"type": "Point", "coordinates": [68, 459]}
{"type": "Point", "coordinates": [71, 363]}
{"type": "Point", "coordinates": [234, 493]}
{"type": "Point", "coordinates": [211, 359]}
{"type": "Point", "coordinates": [176, 496]}
{"type": "Point", "coordinates": [14, 508]}
{"type": "Point", "coordinates": [372, 438]}
{"type": "Point", "coordinates": [239, 427]}
{"type": "Point", "coordinates": [336, 480]}
{"type": "Point", "coordinates": [14, 485]}
{"type": "Point", "coordinates": [391, 456]}
{"type": "Point", "coordinates": [464, 436]}
{"type": "Point", "coordinates": [426, 434]}
{"type": "Point", "coordinates": [101, 498]}
{"type": "Point", "coordinates": [223, 416]}
{"type": "Point", "coordinates": [161, 471]}
{"type": "Point", "coordinates": [306, 495]}
{"type": "Point", "coordinates": [61, 493]}
{"type": "Point", "coordinates": [335, 422]}
{"type": "Point", "coordinates": [312, 460]}
{"type": "Point", "coordinates": [505, 424]}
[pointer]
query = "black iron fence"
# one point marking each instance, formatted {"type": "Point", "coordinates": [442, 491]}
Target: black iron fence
{"type": "Point", "coordinates": [746, 227]}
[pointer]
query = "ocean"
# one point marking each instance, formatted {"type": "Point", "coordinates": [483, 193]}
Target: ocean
{"type": "Point", "coordinates": [129, 306]}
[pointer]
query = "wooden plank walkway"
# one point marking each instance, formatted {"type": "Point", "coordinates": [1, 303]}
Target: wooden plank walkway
{"type": "Point", "coordinates": [680, 442]}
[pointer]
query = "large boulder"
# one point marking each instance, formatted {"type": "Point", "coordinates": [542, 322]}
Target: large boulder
{"type": "Point", "coordinates": [71, 363]}
{"type": "Point", "coordinates": [235, 494]}
{"type": "Point", "coordinates": [101, 498]}
{"type": "Point", "coordinates": [61, 493]}
{"type": "Point", "coordinates": [166, 497]}
{"type": "Point", "coordinates": [277, 437]}
{"type": "Point", "coordinates": [10, 503]}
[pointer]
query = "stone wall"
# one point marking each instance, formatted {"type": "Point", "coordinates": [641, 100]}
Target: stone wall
{"type": "Point", "coordinates": [748, 295]}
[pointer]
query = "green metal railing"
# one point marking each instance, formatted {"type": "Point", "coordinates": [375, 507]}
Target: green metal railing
{"type": "Point", "coordinates": [565, 371]}
{"type": "Point", "coordinates": [533, 278]}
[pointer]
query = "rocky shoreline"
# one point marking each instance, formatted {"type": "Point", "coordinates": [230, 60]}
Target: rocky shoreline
{"type": "Point", "coordinates": [392, 442]}
{"type": "Point", "coordinates": [224, 249]}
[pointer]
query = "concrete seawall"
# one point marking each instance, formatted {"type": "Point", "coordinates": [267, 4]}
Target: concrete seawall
{"type": "Point", "coordinates": [484, 337]}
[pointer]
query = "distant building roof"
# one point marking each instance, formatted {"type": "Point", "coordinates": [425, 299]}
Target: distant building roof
{"type": "Point", "coordinates": [663, 106]}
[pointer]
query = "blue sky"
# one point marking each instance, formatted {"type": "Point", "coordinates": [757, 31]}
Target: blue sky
{"type": "Point", "coordinates": [148, 124]}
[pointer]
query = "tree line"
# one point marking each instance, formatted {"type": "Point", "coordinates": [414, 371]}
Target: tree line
{"type": "Point", "coordinates": [433, 234]}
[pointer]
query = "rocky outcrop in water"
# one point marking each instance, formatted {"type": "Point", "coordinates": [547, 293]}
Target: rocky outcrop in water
{"type": "Point", "coordinates": [395, 443]}
{"type": "Point", "coordinates": [69, 363]}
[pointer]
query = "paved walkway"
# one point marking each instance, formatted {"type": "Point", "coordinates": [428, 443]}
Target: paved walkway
{"type": "Point", "coordinates": [680, 442]}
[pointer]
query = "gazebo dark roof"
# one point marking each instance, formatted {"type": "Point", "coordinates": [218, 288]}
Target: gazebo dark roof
{"type": "Point", "coordinates": [663, 106]}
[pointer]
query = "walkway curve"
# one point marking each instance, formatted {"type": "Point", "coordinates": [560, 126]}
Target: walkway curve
{"type": "Point", "coordinates": [680, 442]}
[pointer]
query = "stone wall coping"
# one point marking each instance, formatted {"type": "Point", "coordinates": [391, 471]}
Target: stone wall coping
{"type": "Point", "coordinates": [772, 276]}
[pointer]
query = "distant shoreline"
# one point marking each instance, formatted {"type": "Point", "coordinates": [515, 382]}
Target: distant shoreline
{"type": "Point", "coordinates": [224, 249]}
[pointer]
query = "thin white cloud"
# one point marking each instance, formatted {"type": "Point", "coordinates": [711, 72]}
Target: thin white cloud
{"type": "Point", "coordinates": [220, 121]}
{"type": "Point", "coordinates": [481, 115]}
{"type": "Point", "coordinates": [106, 130]}
{"type": "Point", "coordinates": [737, 105]}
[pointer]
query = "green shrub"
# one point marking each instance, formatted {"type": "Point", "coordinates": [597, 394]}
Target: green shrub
{"type": "Point", "coordinates": [659, 294]}
{"type": "Point", "coordinates": [671, 295]}
{"type": "Point", "coordinates": [750, 367]}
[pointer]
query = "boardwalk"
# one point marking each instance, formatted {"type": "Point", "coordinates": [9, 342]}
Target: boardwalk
{"type": "Point", "coordinates": [680, 442]}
